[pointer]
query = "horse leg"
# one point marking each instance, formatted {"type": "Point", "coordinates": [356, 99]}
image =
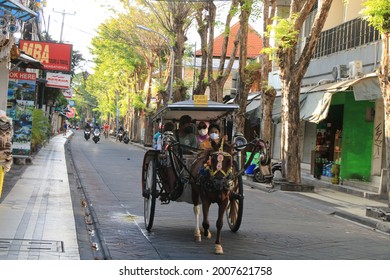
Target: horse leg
{"type": "Point", "coordinates": [195, 201]}
{"type": "Point", "coordinates": [197, 235]}
{"type": "Point", "coordinates": [221, 210]}
{"type": "Point", "coordinates": [206, 223]}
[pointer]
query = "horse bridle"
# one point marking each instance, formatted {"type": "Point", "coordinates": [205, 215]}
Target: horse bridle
{"type": "Point", "coordinates": [221, 154]}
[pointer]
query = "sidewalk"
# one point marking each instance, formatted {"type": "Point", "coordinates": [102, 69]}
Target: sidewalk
{"type": "Point", "coordinates": [37, 220]}
{"type": "Point", "coordinates": [36, 216]}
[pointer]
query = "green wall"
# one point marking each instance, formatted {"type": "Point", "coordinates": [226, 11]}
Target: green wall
{"type": "Point", "coordinates": [357, 137]}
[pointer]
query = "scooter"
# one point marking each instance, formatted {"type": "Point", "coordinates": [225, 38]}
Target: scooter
{"type": "Point", "coordinates": [87, 134]}
{"type": "Point", "coordinates": [258, 174]}
{"type": "Point", "coordinates": [126, 138]}
{"type": "Point", "coordinates": [96, 135]}
{"type": "Point", "coordinates": [120, 136]}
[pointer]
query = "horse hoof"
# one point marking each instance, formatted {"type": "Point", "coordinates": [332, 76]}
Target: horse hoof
{"type": "Point", "coordinates": [208, 235]}
{"type": "Point", "coordinates": [218, 249]}
{"type": "Point", "coordinates": [197, 236]}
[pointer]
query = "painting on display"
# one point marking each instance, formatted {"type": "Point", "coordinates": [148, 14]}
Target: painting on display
{"type": "Point", "coordinates": [20, 105]}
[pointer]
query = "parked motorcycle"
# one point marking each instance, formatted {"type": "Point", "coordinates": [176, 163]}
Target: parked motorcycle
{"type": "Point", "coordinates": [120, 135]}
{"type": "Point", "coordinates": [96, 135]}
{"type": "Point", "coordinates": [258, 174]}
{"type": "Point", "coordinates": [126, 138]}
{"type": "Point", "coordinates": [87, 134]}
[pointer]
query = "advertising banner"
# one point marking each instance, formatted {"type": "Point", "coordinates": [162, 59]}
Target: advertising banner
{"type": "Point", "coordinates": [58, 80]}
{"type": "Point", "coordinates": [71, 113]}
{"type": "Point", "coordinates": [20, 105]}
{"type": "Point", "coordinates": [53, 56]}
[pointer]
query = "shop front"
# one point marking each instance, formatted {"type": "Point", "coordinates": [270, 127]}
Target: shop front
{"type": "Point", "coordinates": [341, 130]}
{"type": "Point", "coordinates": [12, 16]}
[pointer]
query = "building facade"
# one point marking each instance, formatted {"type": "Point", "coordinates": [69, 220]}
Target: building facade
{"type": "Point", "coordinates": [341, 102]}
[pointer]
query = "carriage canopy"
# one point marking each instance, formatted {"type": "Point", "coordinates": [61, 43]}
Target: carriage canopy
{"type": "Point", "coordinates": [211, 111]}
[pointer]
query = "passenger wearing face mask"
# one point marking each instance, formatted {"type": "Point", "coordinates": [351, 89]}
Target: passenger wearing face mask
{"type": "Point", "coordinates": [214, 132]}
{"type": "Point", "coordinates": [203, 137]}
{"type": "Point", "coordinates": [186, 132]}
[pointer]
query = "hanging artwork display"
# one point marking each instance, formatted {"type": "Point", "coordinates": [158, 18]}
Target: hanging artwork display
{"type": "Point", "coordinates": [20, 105]}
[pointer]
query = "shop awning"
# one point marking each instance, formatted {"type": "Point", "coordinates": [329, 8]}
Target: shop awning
{"type": "Point", "coordinates": [253, 102]}
{"type": "Point", "coordinates": [17, 10]}
{"type": "Point", "coordinates": [26, 61]}
{"type": "Point", "coordinates": [367, 88]}
{"type": "Point", "coordinates": [277, 109]}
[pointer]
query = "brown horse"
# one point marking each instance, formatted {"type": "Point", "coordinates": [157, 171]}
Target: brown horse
{"type": "Point", "coordinates": [215, 180]}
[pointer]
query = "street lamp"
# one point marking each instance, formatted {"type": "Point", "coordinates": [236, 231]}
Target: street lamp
{"type": "Point", "coordinates": [172, 54]}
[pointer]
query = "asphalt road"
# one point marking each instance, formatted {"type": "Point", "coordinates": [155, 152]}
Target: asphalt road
{"type": "Point", "coordinates": [275, 226]}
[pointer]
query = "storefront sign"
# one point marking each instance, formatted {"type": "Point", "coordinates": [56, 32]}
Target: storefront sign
{"type": "Point", "coordinates": [53, 56]}
{"type": "Point", "coordinates": [67, 93]}
{"type": "Point", "coordinates": [20, 105]}
{"type": "Point", "coordinates": [58, 80]}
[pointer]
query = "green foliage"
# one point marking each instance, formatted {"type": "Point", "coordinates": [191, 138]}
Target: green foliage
{"type": "Point", "coordinates": [377, 13]}
{"type": "Point", "coordinates": [56, 96]}
{"type": "Point", "coordinates": [77, 58]}
{"type": "Point", "coordinates": [253, 66]}
{"type": "Point", "coordinates": [40, 128]}
{"type": "Point", "coordinates": [118, 70]}
{"type": "Point", "coordinates": [283, 32]}
{"type": "Point", "coordinates": [284, 35]}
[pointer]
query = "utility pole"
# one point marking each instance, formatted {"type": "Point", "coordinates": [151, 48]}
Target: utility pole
{"type": "Point", "coordinates": [63, 19]}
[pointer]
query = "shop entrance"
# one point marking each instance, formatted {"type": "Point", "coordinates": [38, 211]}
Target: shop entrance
{"type": "Point", "coordinates": [328, 142]}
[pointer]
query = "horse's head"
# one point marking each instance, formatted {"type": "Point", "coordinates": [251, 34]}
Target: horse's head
{"type": "Point", "coordinates": [218, 175]}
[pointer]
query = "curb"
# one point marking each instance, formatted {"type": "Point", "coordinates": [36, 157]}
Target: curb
{"type": "Point", "coordinates": [376, 225]}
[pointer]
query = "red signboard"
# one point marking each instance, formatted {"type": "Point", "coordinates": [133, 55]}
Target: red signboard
{"type": "Point", "coordinates": [15, 75]}
{"type": "Point", "coordinates": [53, 56]}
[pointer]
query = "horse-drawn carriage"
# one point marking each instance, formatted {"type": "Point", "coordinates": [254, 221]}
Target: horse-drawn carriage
{"type": "Point", "coordinates": [199, 177]}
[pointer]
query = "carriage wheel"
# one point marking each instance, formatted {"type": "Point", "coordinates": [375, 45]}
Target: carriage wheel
{"type": "Point", "coordinates": [236, 205]}
{"type": "Point", "coordinates": [150, 192]}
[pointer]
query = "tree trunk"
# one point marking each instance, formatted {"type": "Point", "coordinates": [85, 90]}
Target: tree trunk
{"type": "Point", "coordinates": [292, 71]}
{"type": "Point", "coordinates": [179, 90]}
{"type": "Point", "coordinates": [246, 6]}
{"type": "Point", "coordinates": [203, 25]}
{"type": "Point", "coordinates": [383, 75]}
{"type": "Point", "coordinates": [291, 158]}
{"type": "Point", "coordinates": [268, 98]}
{"type": "Point", "coordinates": [268, 94]}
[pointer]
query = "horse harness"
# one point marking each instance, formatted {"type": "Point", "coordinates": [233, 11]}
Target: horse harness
{"type": "Point", "coordinates": [208, 180]}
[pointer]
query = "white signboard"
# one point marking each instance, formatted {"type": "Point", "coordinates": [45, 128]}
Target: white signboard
{"type": "Point", "coordinates": [67, 93]}
{"type": "Point", "coordinates": [58, 80]}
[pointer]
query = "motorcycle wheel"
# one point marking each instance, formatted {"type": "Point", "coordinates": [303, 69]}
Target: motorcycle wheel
{"type": "Point", "coordinates": [259, 177]}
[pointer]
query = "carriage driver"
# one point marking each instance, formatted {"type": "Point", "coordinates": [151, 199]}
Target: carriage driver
{"type": "Point", "coordinates": [186, 132]}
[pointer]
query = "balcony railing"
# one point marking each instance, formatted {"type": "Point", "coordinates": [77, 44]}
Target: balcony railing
{"type": "Point", "coordinates": [346, 36]}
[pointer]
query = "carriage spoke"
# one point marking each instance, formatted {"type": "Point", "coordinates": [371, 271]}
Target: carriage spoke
{"type": "Point", "coordinates": [233, 211]}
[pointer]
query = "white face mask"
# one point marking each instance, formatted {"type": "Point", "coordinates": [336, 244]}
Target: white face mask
{"type": "Point", "coordinates": [214, 136]}
{"type": "Point", "coordinates": [203, 132]}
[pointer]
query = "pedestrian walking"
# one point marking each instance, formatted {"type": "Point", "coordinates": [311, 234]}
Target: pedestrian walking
{"type": "Point", "coordinates": [65, 128]}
